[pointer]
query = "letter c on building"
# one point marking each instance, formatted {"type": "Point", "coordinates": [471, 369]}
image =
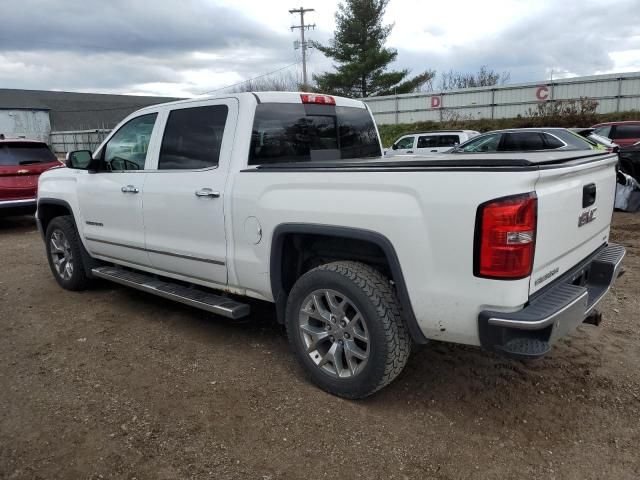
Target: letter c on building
{"type": "Point", "coordinates": [542, 93]}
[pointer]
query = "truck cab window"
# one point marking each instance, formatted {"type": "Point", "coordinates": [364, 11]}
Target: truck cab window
{"type": "Point", "coordinates": [311, 133]}
{"type": "Point", "coordinates": [193, 138]}
{"type": "Point", "coordinates": [127, 149]}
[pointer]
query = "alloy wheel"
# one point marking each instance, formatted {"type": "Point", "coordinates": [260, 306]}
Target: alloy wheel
{"type": "Point", "coordinates": [61, 254]}
{"type": "Point", "coordinates": [334, 333]}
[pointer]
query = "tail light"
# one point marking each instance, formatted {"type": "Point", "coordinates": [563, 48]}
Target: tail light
{"type": "Point", "coordinates": [506, 237]}
{"type": "Point", "coordinates": [318, 99]}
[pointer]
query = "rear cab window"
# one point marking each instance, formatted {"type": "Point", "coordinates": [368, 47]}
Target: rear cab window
{"type": "Point", "coordinates": [25, 153]}
{"type": "Point", "coordinates": [291, 132]}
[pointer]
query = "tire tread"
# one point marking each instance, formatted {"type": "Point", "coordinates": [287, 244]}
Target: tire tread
{"type": "Point", "coordinates": [380, 293]}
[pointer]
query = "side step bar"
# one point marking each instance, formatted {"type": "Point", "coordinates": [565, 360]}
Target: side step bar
{"type": "Point", "coordinates": [194, 297]}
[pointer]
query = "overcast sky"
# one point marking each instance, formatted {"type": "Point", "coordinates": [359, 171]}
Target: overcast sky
{"type": "Point", "coordinates": [187, 47]}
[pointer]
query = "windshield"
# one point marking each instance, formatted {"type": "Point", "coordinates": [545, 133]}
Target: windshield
{"type": "Point", "coordinates": [484, 143]}
{"type": "Point", "coordinates": [284, 132]}
{"type": "Point", "coordinates": [25, 153]}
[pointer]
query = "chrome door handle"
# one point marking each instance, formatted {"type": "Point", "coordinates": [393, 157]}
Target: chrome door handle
{"type": "Point", "coordinates": [207, 192]}
{"type": "Point", "coordinates": [129, 189]}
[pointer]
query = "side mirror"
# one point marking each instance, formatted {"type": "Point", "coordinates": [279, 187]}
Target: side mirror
{"type": "Point", "coordinates": [79, 159]}
{"type": "Point", "coordinates": [394, 146]}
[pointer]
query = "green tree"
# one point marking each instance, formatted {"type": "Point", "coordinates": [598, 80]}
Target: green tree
{"type": "Point", "coordinates": [361, 58]}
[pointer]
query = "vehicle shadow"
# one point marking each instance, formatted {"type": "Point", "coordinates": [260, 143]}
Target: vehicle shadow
{"type": "Point", "coordinates": [21, 224]}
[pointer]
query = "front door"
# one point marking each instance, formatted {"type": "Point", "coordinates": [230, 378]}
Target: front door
{"type": "Point", "coordinates": [110, 198]}
{"type": "Point", "coordinates": [184, 197]}
{"type": "Point", "coordinates": [404, 146]}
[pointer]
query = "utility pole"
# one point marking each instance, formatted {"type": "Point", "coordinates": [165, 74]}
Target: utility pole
{"type": "Point", "coordinates": [303, 44]}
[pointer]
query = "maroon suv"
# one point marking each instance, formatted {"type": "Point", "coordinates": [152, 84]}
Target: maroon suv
{"type": "Point", "coordinates": [21, 163]}
{"type": "Point", "coordinates": [621, 133]}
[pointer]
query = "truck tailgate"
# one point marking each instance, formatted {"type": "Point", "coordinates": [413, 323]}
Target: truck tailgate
{"type": "Point", "coordinates": [575, 204]}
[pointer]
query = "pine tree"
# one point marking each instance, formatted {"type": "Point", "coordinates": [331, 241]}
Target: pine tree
{"type": "Point", "coordinates": [358, 48]}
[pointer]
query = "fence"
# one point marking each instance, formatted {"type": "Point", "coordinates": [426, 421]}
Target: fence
{"type": "Point", "coordinates": [613, 92]}
{"type": "Point", "coordinates": [67, 141]}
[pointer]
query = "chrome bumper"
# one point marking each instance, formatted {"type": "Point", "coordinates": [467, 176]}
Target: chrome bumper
{"type": "Point", "coordinates": [556, 311]}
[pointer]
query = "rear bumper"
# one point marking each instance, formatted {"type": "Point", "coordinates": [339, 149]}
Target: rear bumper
{"type": "Point", "coordinates": [17, 207]}
{"type": "Point", "coordinates": [530, 332]}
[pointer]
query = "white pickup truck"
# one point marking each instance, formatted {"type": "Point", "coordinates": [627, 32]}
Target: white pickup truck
{"type": "Point", "coordinates": [284, 197]}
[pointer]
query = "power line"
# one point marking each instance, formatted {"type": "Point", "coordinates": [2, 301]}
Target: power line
{"type": "Point", "coordinates": [303, 43]}
{"type": "Point", "coordinates": [125, 107]}
{"type": "Point", "coordinates": [250, 79]}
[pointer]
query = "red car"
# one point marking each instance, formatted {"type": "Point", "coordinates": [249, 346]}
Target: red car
{"type": "Point", "coordinates": [21, 163]}
{"type": "Point", "coordinates": [622, 133]}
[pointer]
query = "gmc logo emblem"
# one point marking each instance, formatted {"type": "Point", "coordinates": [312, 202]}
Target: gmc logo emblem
{"type": "Point", "coordinates": [587, 217]}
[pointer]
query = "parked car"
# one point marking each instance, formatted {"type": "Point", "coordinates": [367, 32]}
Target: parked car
{"type": "Point", "coordinates": [429, 142]}
{"type": "Point", "coordinates": [630, 160]}
{"type": "Point", "coordinates": [622, 133]}
{"type": "Point", "coordinates": [599, 141]}
{"type": "Point", "coordinates": [21, 163]}
{"type": "Point", "coordinates": [525, 140]}
{"type": "Point", "coordinates": [258, 195]}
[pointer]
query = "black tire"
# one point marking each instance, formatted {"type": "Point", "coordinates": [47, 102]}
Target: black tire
{"type": "Point", "coordinates": [370, 292]}
{"type": "Point", "coordinates": [77, 279]}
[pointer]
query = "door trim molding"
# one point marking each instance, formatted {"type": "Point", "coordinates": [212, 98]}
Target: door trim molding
{"type": "Point", "coordinates": [160, 252]}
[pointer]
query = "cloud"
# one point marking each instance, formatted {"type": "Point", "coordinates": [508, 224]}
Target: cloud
{"type": "Point", "coordinates": [567, 38]}
{"type": "Point", "coordinates": [129, 26]}
{"type": "Point", "coordinates": [186, 47]}
{"type": "Point", "coordinates": [124, 46]}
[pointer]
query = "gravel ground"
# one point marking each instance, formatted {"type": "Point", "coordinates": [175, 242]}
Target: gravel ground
{"type": "Point", "coordinates": [112, 383]}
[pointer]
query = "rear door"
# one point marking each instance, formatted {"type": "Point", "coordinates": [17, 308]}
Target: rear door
{"type": "Point", "coordinates": [575, 204]}
{"type": "Point", "coordinates": [21, 163]}
{"type": "Point", "coordinates": [184, 196]}
{"type": "Point", "coordinates": [427, 144]}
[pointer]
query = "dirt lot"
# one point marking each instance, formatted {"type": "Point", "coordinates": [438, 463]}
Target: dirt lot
{"type": "Point", "coordinates": [112, 383]}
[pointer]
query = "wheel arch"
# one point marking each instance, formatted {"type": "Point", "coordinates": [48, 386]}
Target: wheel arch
{"type": "Point", "coordinates": [281, 280]}
{"type": "Point", "coordinates": [48, 209]}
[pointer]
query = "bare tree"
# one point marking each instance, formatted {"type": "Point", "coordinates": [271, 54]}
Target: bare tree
{"type": "Point", "coordinates": [283, 82]}
{"type": "Point", "coordinates": [485, 77]}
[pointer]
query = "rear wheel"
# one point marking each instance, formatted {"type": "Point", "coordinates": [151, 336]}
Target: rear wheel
{"type": "Point", "coordinates": [344, 324]}
{"type": "Point", "coordinates": [64, 254]}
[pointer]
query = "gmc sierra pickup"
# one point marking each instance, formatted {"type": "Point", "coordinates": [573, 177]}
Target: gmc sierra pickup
{"type": "Point", "coordinates": [284, 197]}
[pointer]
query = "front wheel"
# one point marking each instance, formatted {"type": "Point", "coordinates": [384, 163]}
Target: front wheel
{"type": "Point", "coordinates": [64, 254]}
{"type": "Point", "coordinates": [344, 325]}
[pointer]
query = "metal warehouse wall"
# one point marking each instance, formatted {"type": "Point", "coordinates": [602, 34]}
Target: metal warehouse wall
{"type": "Point", "coordinates": [613, 92]}
{"type": "Point", "coordinates": [31, 124]}
{"type": "Point", "coordinates": [67, 141]}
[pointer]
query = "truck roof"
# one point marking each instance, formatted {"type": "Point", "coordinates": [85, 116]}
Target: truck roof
{"type": "Point", "coordinates": [266, 97]}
